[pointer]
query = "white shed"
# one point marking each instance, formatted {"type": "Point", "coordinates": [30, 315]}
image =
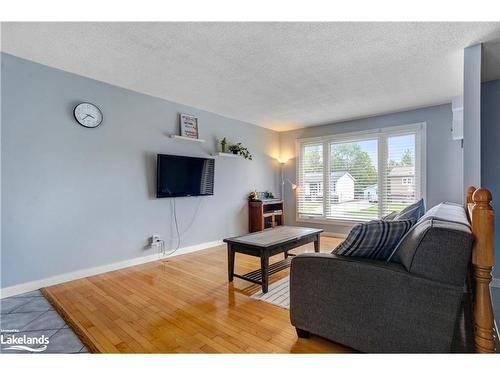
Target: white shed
{"type": "Point", "coordinates": [342, 186]}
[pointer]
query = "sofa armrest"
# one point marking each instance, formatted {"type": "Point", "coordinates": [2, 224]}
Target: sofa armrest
{"type": "Point", "coordinates": [371, 306]}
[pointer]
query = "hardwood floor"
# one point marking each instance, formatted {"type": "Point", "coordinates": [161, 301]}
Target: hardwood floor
{"type": "Point", "coordinates": [182, 304]}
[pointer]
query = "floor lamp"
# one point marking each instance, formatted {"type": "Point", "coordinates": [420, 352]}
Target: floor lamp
{"type": "Point", "coordinates": [283, 180]}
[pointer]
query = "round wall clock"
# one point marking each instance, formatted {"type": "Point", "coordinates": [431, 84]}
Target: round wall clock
{"type": "Point", "coordinates": [88, 115]}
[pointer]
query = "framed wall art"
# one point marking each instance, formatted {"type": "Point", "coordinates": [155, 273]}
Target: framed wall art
{"type": "Point", "coordinates": [188, 125]}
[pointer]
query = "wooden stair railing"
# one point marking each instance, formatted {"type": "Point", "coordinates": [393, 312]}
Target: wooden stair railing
{"type": "Point", "coordinates": [482, 217]}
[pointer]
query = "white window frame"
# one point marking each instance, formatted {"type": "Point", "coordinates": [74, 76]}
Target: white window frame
{"type": "Point", "coordinates": [381, 134]}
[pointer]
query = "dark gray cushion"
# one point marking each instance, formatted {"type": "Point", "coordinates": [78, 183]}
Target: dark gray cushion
{"type": "Point", "coordinates": [439, 246]}
{"type": "Point", "coordinates": [390, 216]}
{"type": "Point", "coordinates": [413, 212]}
{"type": "Point", "coordinates": [447, 211]}
{"type": "Point", "coordinates": [374, 240]}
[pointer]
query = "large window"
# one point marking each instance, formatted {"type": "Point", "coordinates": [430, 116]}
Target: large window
{"type": "Point", "coordinates": [360, 176]}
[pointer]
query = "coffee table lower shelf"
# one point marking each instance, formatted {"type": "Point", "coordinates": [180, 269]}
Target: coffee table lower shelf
{"type": "Point", "coordinates": [266, 244]}
{"type": "Point", "coordinates": [256, 276]}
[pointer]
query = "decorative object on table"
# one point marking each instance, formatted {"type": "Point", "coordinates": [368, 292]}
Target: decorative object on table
{"type": "Point", "coordinates": [265, 195]}
{"type": "Point", "coordinates": [88, 115]}
{"type": "Point", "coordinates": [261, 195]}
{"type": "Point", "coordinates": [268, 195]}
{"type": "Point", "coordinates": [264, 213]}
{"type": "Point", "coordinates": [188, 125]}
{"type": "Point", "coordinates": [253, 196]}
{"type": "Point", "coordinates": [223, 145]}
{"type": "Point", "coordinates": [239, 149]}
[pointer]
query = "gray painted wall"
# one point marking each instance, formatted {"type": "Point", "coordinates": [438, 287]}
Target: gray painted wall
{"type": "Point", "coordinates": [444, 155]}
{"type": "Point", "coordinates": [74, 198]}
{"type": "Point", "coordinates": [472, 116]}
{"type": "Point", "coordinates": [490, 152]}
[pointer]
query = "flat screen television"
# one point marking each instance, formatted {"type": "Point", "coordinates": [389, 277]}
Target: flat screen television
{"type": "Point", "coordinates": [184, 176]}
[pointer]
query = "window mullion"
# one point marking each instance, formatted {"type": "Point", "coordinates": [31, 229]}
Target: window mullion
{"type": "Point", "coordinates": [418, 165]}
{"type": "Point", "coordinates": [299, 171]}
{"type": "Point", "coordinates": [382, 175]}
{"type": "Point", "coordinates": [326, 180]}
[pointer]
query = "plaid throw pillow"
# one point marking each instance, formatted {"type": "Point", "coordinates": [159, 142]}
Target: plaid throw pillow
{"type": "Point", "coordinates": [391, 216]}
{"type": "Point", "coordinates": [413, 212]}
{"type": "Point", "coordinates": [374, 240]}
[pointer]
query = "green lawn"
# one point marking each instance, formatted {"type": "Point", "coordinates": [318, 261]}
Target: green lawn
{"type": "Point", "coordinates": [314, 207]}
{"type": "Point", "coordinates": [372, 211]}
{"type": "Point", "coordinates": [369, 212]}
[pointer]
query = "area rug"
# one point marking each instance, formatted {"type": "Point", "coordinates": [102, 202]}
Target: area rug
{"type": "Point", "coordinates": [278, 293]}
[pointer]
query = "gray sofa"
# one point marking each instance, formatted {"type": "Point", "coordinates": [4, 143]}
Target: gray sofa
{"type": "Point", "coordinates": [407, 304]}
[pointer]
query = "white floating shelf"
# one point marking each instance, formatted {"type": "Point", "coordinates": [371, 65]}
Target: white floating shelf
{"type": "Point", "coordinates": [226, 154]}
{"type": "Point", "coordinates": [187, 138]}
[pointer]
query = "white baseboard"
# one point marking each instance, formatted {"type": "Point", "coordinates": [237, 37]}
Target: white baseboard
{"type": "Point", "coordinates": [37, 284]}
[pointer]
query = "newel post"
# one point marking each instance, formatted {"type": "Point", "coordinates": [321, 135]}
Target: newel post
{"type": "Point", "coordinates": [483, 260]}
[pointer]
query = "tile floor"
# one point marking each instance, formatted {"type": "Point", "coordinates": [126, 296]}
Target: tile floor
{"type": "Point", "coordinates": [32, 315]}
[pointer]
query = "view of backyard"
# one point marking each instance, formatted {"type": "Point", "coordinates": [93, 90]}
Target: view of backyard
{"type": "Point", "coordinates": [353, 178]}
{"type": "Point", "coordinates": [372, 209]}
{"type": "Point", "coordinates": [356, 208]}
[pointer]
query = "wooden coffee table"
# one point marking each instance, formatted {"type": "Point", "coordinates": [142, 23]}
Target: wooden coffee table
{"type": "Point", "coordinates": [265, 244]}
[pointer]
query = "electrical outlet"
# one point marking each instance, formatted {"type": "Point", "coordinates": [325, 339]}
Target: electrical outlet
{"type": "Point", "coordinates": [155, 238]}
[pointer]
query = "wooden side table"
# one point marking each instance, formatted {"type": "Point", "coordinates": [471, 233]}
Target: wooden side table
{"type": "Point", "coordinates": [265, 214]}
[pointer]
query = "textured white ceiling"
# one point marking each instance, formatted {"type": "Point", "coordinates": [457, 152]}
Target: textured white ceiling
{"type": "Point", "coordinates": [277, 75]}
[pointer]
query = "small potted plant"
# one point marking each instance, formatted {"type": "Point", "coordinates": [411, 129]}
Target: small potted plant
{"type": "Point", "coordinates": [268, 195]}
{"type": "Point", "coordinates": [223, 145]}
{"type": "Point", "coordinates": [238, 149]}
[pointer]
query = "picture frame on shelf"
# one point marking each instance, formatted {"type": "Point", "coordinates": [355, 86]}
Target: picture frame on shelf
{"type": "Point", "coordinates": [188, 126]}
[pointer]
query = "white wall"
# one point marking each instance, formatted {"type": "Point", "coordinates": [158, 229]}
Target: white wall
{"type": "Point", "coordinates": [75, 198]}
{"type": "Point", "coordinates": [472, 116]}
